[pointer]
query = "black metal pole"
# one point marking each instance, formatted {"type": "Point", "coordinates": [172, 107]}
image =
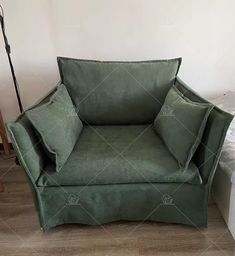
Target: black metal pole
{"type": "Point", "coordinates": [8, 51]}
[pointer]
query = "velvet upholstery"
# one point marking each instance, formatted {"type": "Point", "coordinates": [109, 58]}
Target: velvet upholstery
{"type": "Point", "coordinates": [97, 203]}
{"type": "Point", "coordinates": [180, 124]}
{"type": "Point", "coordinates": [120, 155]}
{"type": "Point", "coordinates": [57, 124]}
{"type": "Point", "coordinates": [118, 92]}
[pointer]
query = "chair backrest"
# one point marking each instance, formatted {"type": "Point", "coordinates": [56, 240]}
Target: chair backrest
{"type": "Point", "coordinates": [118, 92]}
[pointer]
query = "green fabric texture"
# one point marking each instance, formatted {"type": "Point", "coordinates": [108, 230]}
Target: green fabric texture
{"type": "Point", "coordinates": [209, 150]}
{"type": "Point", "coordinates": [180, 124]}
{"type": "Point", "coordinates": [118, 154]}
{"type": "Point", "coordinates": [58, 125]}
{"type": "Point", "coordinates": [99, 204]}
{"type": "Point", "coordinates": [118, 92]}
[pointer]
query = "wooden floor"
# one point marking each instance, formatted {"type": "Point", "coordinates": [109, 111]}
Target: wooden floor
{"type": "Point", "coordinates": [20, 233]}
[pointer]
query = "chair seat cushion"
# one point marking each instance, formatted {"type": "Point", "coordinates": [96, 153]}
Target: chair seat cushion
{"type": "Point", "coordinates": [119, 155]}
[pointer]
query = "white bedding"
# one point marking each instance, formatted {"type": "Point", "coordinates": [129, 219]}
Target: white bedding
{"type": "Point", "coordinates": [223, 189]}
{"type": "Point", "coordinates": [227, 161]}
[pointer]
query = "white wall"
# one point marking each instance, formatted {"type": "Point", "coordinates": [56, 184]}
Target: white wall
{"type": "Point", "coordinates": [201, 31]}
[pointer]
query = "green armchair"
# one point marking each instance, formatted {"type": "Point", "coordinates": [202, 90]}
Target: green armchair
{"type": "Point", "coordinates": [119, 168]}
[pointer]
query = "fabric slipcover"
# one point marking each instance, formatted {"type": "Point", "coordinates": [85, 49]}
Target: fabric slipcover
{"type": "Point", "coordinates": [119, 154]}
{"type": "Point", "coordinates": [118, 92]}
{"type": "Point", "coordinates": [94, 204]}
{"type": "Point", "coordinates": [98, 204]}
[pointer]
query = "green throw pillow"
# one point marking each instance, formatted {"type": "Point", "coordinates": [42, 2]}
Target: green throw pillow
{"type": "Point", "coordinates": [180, 123]}
{"type": "Point", "coordinates": [57, 124]}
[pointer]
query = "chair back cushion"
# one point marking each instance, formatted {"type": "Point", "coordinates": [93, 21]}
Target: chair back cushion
{"type": "Point", "coordinates": [118, 92]}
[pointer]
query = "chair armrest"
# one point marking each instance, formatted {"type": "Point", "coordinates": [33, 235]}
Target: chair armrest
{"type": "Point", "coordinates": [27, 144]}
{"type": "Point", "coordinates": [208, 152]}
{"type": "Point", "coordinates": [27, 147]}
